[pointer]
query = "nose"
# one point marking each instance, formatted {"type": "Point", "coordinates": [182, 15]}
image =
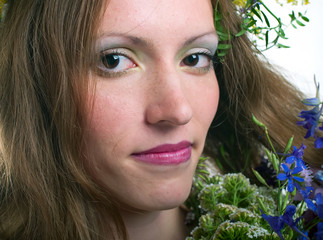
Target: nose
{"type": "Point", "coordinates": [169, 100]}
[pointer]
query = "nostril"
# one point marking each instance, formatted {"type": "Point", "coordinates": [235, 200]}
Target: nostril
{"type": "Point", "coordinates": [174, 111]}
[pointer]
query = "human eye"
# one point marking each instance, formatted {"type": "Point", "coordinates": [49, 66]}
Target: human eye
{"type": "Point", "coordinates": [115, 63]}
{"type": "Point", "coordinates": [198, 62]}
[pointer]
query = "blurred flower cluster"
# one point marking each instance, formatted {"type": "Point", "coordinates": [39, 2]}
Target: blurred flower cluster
{"type": "Point", "coordinates": [229, 207]}
{"type": "Point", "coordinates": [2, 3]}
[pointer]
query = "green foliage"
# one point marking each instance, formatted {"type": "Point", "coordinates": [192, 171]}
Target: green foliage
{"type": "Point", "coordinates": [259, 21]}
{"type": "Point", "coordinates": [227, 207]}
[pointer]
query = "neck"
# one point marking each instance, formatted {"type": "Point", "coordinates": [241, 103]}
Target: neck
{"type": "Point", "coordinates": [159, 225]}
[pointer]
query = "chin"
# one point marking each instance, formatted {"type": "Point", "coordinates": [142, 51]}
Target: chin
{"type": "Point", "coordinates": [171, 196]}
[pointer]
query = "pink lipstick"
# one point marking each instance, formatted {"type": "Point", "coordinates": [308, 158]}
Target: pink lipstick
{"type": "Point", "coordinates": [166, 154]}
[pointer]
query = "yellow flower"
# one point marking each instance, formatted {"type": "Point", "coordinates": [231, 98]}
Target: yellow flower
{"type": "Point", "coordinates": [240, 3]}
{"type": "Point", "coordinates": [294, 2]}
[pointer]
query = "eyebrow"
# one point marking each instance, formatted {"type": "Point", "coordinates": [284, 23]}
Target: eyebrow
{"type": "Point", "coordinates": [147, 43]}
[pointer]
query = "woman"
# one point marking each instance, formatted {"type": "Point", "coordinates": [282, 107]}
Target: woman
{"type": "Point", "coordinates": [105, 107]}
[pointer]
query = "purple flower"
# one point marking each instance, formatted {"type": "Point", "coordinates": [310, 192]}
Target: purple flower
{"type": "Point", "coordinates": [307, 174]}
{"type": "Point", "coordinates": [297, 155]}
{"type": "Point", "coordinates": [306, 195]}
{"type": "Point", "coordinates": [289, 175]}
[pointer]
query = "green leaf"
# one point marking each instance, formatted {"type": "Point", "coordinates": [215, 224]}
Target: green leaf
{"type": "Point", "coordinates": [276, 40]}
{"type": "Point", "coordinates": [268, 154]}
{"type": "Point", "coordinates": [224, 46]}
{"type": "Point", "coordinates": [257, 122]}
{"type": "Point", "coordinates": [300, 23]}
{"type": "Point", "coordinates": [256, 13]}
{"type": "Point", "coordinates": [285, 201]}
{"type": "Point", "coordinates": [305, 18]}
{"type": "Point", "coordinates": [281, 33]}
{"type": "Point", "coordinates": [260, 178]}
{"type": "Point", "coordinates": [222, 54]}
{"type": "Point", "coordinates": [282, 46]}
{"type": "Point", "coordinates": [262, 205]}
{"type": "Point", "coordinates": [280, 200]}
{"type": "Point", "coordinates": [241, 33]}
{"type": "Point", "coordinates": [266, 19]}
{"type": "Point", "coordinates": [292, 16]}
{"type": "Point", "coordinates": [217, 16]}
{"type": "Point", "coordinates": [267, 38]}
{"type": "Point", "coordinates": [294, 192]}
{"type": "Point", "coordinates": [223, 36]}
{"type": "Point", "coordinates": [251, 23]}
{"type": "Point", "coordinates": [275, 163]}
{"type": "Point", "coordinates": [289, 145]}
{"type": "Point", "coordinates": [219, 164]}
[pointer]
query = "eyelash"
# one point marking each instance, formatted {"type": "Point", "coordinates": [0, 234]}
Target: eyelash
{"type": "Point", "coordinates": [102, 68]}
{"type": "Point", "coordinates": [201, 70]}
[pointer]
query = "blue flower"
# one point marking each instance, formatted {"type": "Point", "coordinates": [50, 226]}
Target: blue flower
{"type": "Point", "coordinates": [306, 196]}
{"type": "Point", "coordinates": [288, 216]}
{"type": "Point", "coordinates": [312, 101]}
{"type": "Point", "coordinates": [288, 219]}
{"type": "Point", "coordinates": [289, 175]}
{"type": "Point", "coordinates": [304, 237]}
{"type": "Point", "coordinates": [318, 142]}
{"type": "Point", "coordinates": [319, 233]}
{"type": "Point", "coordinates": [297, 155]}
{"type": "Point", "coordinates": [275, 222]}
{"type": "Point", "coordinates": [311, 120]}
{"type": "Point", "coordinates": [319, 205]}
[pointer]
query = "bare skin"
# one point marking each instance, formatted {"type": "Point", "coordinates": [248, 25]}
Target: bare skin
{"type": "Point", "coordinates": [155, 86]}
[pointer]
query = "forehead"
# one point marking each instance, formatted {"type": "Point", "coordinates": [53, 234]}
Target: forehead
{"type": "Point", "coordinates": [163, 16]}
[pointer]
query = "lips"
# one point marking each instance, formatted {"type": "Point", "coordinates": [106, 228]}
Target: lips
{"type": "Point", "coordinates": [166, 154]}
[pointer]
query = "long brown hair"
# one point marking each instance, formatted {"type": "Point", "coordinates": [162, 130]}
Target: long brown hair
{"type": "Point", "coordinates": [46, 51]}
{"type": "Point", "coordinates": [45, 55]}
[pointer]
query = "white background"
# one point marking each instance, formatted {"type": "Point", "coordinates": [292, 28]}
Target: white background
{"type": "Point", "coordinates": [304, 58]}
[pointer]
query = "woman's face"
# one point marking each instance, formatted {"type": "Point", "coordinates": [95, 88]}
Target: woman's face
{"type": "Point", "coordinates": [155, 97]}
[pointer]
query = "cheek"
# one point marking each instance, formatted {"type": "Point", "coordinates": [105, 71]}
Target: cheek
{"type": "Point", "coordinates": [105, 128]}
{"type": "Point", "coordinates": [206, 102]}
{"type": "Point", "coordinates": [108, 117]}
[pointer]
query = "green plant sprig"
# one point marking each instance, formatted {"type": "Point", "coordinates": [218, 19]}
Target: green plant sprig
{"type": "Point", "coordinates": [276, 161]}
{"type": "Point", "coordinates": [253, 12]}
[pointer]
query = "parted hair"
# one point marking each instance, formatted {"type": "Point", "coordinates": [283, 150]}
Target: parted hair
{"type": "Point", "coordinates": [46, 55]}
